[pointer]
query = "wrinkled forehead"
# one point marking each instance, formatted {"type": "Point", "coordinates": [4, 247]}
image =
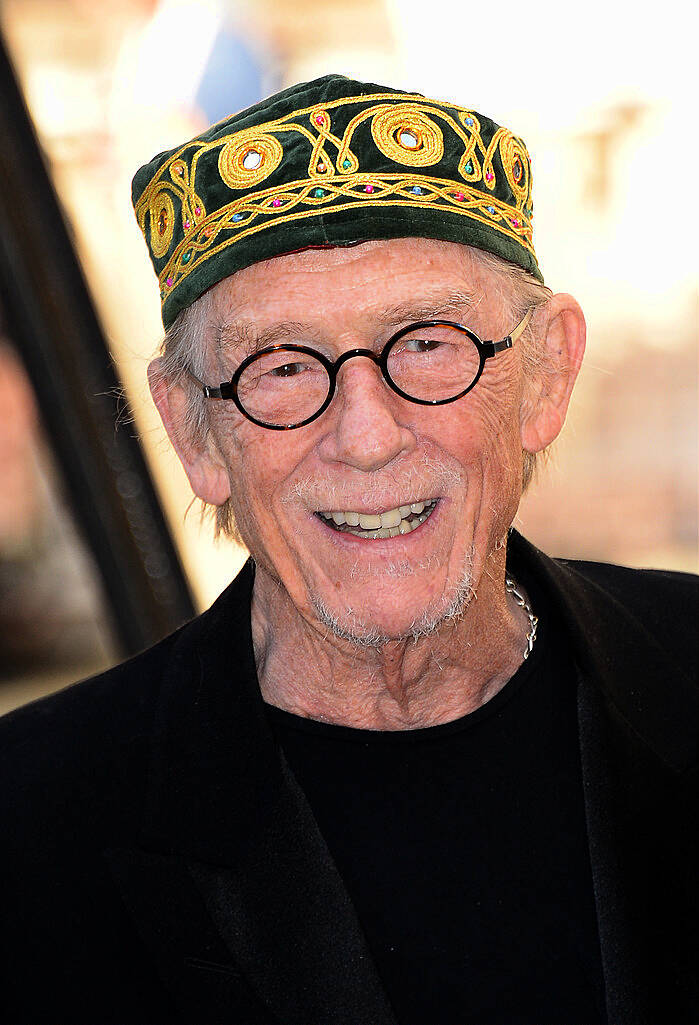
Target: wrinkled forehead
{"type": "Point", "coordinates": [370, 281]}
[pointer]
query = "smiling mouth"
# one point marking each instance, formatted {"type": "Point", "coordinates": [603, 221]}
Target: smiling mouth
{"type": "Point", "coordinates": [401, 520]}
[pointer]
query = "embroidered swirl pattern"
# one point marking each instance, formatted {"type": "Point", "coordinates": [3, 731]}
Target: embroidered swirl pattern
{"type": "Point", "coordinates": [248, 158]}
{"type": "Point", "coordinates": [410, 131]}
{"type": "Point", "coordinates": [161, 212]}
{"type": "Point", "coordinates": [406, 134]}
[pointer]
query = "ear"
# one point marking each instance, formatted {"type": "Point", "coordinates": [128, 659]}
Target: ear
{"type": "Point", "coordinates": [544, 408]}
{"type": "Point", "coordinates": [202, 461]}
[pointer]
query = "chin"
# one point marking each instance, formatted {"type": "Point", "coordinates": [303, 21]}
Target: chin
{"type": "Point", "coordinates": [364, 629]}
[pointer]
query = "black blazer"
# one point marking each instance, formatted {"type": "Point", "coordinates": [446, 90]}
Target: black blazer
{"type": "Point", "coordinates": [161, 864]}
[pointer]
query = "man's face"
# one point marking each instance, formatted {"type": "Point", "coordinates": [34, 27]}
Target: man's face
{"type": "Point", "coordinates": [371, 451]}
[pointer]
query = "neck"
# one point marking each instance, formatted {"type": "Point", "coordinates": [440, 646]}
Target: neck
{"type": "Point", "coordinates": [404, 684]}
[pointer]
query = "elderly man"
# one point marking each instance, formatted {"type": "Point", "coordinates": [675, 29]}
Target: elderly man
{"type": "Point", "coordinates": [407, 769]}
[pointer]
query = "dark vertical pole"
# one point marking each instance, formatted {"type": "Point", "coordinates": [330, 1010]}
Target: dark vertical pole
{"type": "Point", "coordinates": [52, 321]}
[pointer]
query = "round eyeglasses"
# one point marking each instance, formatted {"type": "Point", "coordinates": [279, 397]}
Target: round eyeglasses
{"type": "Point", "coordinates": [431, 363]}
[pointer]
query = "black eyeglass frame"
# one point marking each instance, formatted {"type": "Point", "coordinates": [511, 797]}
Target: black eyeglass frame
{"type": "Point", "coordinates": [486, 350]}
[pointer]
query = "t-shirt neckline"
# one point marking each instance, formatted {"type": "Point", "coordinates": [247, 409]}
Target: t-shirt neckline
{"type": "Point", "coordinates": [283, 720]}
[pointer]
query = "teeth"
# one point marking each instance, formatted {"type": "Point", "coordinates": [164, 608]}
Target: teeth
{"type": "Point", "coordinates": [391, 519]}
{"type": "Point", "coordinates": [402, 520]}
{"type": "Point", "coordinates": [369, 522]}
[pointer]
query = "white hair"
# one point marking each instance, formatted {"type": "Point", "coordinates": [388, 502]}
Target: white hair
{"type": "Point", "coordinates": [184, 347]}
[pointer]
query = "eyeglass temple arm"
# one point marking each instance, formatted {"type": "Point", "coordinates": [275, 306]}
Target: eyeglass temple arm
{"type": "Point", "coordinates": [209, 392]}
{"type": "Point", "coordinates": [508, 342]}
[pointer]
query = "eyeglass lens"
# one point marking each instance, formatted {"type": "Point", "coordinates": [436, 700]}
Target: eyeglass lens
{"type": "Point", "coordinates": [430, 364]}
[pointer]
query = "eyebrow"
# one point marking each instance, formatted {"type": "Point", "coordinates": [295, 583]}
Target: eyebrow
{"type": "Point", "coordinates": [245, 336]}
{"type": "Point", "coordinates": [428, 308]}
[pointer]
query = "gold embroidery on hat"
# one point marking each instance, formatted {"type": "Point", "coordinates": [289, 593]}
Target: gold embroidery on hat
{"type": "Point", "coordinates": [161, 213]}
{"type": "Point", "coordinates": [516, 164]}
{"type": "Point", "coordinates": [179, 172]}
{"type": "Point", "coordinates": [504, 142]}
{"type": "Point", "coordinates": [403, 124]}
{"type": "Point", "coordinates": [469, 164]}
{"type": "Point", "coordinates": [298, 200]}
{"type": "Point", "coordinates": [390, 123]}
{"type": "Point", "coordinates": [248, 158]}
{"type": "Point", "coordinates": [345, 161]}
{"type": "Point", "coordinates": [194, 209]}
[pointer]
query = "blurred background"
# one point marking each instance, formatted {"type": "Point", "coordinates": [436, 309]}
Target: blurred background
{"type": "Point", "coordinates": [605, 106]}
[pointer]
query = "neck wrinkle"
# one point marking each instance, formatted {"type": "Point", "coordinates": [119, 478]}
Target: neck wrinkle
{"type": "Point", "coordinates": [405, 684]}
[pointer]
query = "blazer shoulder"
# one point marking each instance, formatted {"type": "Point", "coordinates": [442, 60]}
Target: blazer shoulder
{"type": "Point", "coordinates": [96, 720]}
{"type": "Point", "coordinates": [86, 729]}
{"type": "Point", "coordinates": [86, 702]}
{"type": "Point", "coordinates": [664, 603]}
{"type": "Point", "coordinates": [629, 576]}
{"type": "Point", "coordinates": [642, 589]}
{"type": "Point", "coordinates": [633, 636]}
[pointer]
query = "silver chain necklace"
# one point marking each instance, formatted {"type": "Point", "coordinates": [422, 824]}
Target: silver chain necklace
{"type": "Point", "coordinates": [511, 588]}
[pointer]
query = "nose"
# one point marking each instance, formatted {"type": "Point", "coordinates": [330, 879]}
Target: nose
{"type": "Point", "coordinates": [365, 431]}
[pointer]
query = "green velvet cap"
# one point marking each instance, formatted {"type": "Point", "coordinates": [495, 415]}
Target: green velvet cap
{"type": "Point", "coordinates": [331, 162]}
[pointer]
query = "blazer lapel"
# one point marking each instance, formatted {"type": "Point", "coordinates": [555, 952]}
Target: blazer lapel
{"type": "Point", "coordinates": [287, 919]}
{"type": "Point", "coordinates": [637, 736]}
{"type": "Point", "coordinates": [189, 956]}
{"type": "Point", "coordinates": [641, 818]}
{"type": "Point", "coordinates": [624, 983]}
{"type": "Point", "coordinates": [232, 868]}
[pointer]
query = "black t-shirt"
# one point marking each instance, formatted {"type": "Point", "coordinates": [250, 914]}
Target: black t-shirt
{"type": "Point", "coordinates": [464, 849]}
